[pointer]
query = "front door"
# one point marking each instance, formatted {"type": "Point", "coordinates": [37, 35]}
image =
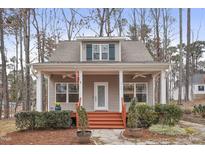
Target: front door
{"type": "Point", "coordinates": [101, 96]}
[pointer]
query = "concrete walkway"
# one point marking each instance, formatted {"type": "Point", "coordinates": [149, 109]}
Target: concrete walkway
{"type": "Point", "coordinates": [114, 137]}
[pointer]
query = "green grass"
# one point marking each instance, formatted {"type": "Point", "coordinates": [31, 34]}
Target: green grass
{"type": "Point", "coordinates": [7, 126]}
{"type": "Point", "coordinates": [167, 130]}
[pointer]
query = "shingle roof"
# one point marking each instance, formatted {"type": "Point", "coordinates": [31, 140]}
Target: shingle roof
{"type": "Point", "coordinates": [131, 51]}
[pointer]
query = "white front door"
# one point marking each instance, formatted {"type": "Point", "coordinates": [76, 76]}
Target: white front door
{"type": "Point", "coordinates": [101, 95]}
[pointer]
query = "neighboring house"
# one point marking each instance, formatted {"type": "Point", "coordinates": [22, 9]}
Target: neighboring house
{"type": "Point", "coordinates": [198, 83]}
{"type": "Point", "coordinates": [111, 71]}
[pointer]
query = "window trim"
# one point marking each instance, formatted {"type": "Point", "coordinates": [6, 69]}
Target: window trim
{"type": "Point", "coordinates": [135, 83]}
{"type": "Point", "coordinates": [100, 52]}
{"type": "Point", "coordinates": [67, 91]}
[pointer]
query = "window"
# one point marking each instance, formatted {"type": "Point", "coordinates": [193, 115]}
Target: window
{"type": "Point", "coordinates": [128, 92]}
{"type": "Point", "coordinates": [200, 88]}
{"type": "Point", "coordinates": [135, 90]}
{"type": "Point", "coordinates": [102, 52]}
{"type": "Point", "coordinates": [141, 93]}
{"type": "Point", "coordinates": [105, 51]}
{"type": "Point", "coordinates": [73, 93]}
{"type": "Point", "coordinates": [96, 51]}
{"type": "Point", "coordinates": [61, 92]}
{"type": "Point", "coordinates": [67, 92]}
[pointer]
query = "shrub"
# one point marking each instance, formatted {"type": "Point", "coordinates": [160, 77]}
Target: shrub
{"type": "Point", "coordinates": [145, 115]}
{"type": "Point", "coordinates": [131, 116]}
{"type": "Point", "coordinates": [140, 115]}
{"type": "Point", "coordinates": [167, 130]}
{"type": "Point", "coordinates": [43, 120]}
{"type": "Point", "coordinates": [83, 118]}
{"type": "Point", "coordinates": [168, 114]}
{"type": "Point", "coordinates": [200, 110]}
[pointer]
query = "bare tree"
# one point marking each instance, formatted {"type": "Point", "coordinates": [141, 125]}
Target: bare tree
{"type": "Point", "coordinates": [155, 14]}
{"type": "Point", "coordinates": [180, 57]}
{"type": "Point", "coordinates": [4, 72]}
{"type": "Point", "coordinates": [26, 31]}
{"type": "Point", "coordinates": [187, 79]}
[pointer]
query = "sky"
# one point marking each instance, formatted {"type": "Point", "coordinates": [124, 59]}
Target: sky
{"type": "Point", "coordinates": [197, 28]}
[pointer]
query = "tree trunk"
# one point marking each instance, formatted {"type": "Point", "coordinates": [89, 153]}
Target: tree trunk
{"type": "Point", "coordinates": [26, 27]}
{"type": "Point", "coordinates": [4, 72]}
{"type": "Point", "coordinates": [180, 58]}
{"type": "Point", "coordinates": [188, 54]}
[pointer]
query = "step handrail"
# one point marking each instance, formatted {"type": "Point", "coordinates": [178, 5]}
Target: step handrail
{"type": "Point", "coordinates": [123, 112]}
{"type": "Point", "coordinates": [77, 118]}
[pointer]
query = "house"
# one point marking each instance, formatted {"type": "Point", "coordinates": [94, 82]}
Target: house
{"type": "Point", "coordinates": [103, 73]}
{"type": "Point", "coordinates": [198, 84]}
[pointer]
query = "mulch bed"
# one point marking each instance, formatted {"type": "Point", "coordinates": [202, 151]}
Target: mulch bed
{"type": "Point", "coordinates": [193, 118]}
{"type": "Point", "coordinates": [41, 137]}
{"type": "Point", "coordinates": [147, 135]}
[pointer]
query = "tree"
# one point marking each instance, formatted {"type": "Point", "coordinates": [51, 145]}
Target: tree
{"type": "Point", "coordinates": [26, 36]}
{"type": "Point", "coordinates": [155, 14]}
{"type": "Point", "coordinates": [187, 78]}
{"type": "Point", "coordinates": [4, 71]}
{"type": "Point", "coordinates": [180, 57]}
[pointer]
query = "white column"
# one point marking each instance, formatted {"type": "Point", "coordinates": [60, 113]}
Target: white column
{"type": "Point", "coordinates": [39, 92]}
{"type": "Point", "coordinates": [81, 87]}
{"type": "Point", "coordinates": [153, 89]}
{"type": "Point", "coordinates": [49, 82]}
{"type": "Point", "coordinates": [163, 87]}
{"type": "Point", "coordinates": [120, 89]}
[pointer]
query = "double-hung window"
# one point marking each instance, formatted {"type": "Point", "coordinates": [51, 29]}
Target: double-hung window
{"type": "Point", "coordinates": [67, 92]}
{"type": "Point", "coordinates": [136, 91]}
{"type": "Point", "coordinates": [100, 52]}
{"type": "Point", "coordinates": [200, 88]}
{"type": "Point", "coordinates": [61, 92]}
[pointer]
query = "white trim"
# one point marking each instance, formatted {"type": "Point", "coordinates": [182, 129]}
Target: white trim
{"type": "Point", "coordinates": [163, 87]}
{"type": "Point", "coordinates": [121, 89]}
{"type": "Point", "coordinates": [135, 83]}
{"type": "Point", "coordinates": [120, 51]}
{"type": "Point", "coordinates": [153, 89]}
{"type": "Point", "coordinates": [96, 96]}
{"type": "Point", "coordinates": [81, 87]}
{"type": "Point", "coordinates": [81, 51]}
{"type": "Point", "coordinates": [39, 92]}
{"type": "Point", "coordinates": [49, 80]}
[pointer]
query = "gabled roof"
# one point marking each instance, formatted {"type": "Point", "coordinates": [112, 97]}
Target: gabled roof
{"type": "Point", "coordinates": [131, 51]}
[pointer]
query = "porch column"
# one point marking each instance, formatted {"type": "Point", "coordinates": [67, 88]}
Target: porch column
{"type": "Point", "coordinates": [120, 89]}
{"type": "Point", "coordinates": [49, 82]}
{"type": "Point", "coordinates": [81, 87]}
{"type": "Point", "coordinates": [39, 92]}
{"type": "Point", "coordinates": [163, 87]}
{"type": "Point", "coordinates": [153, 89]}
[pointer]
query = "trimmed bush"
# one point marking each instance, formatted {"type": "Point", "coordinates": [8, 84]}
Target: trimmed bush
{"type": "Point", "coordinates": [43, 120]}
{"type": "Point", "coordinates": [140, 115]}
{"type": "Point", "coordinates": [168, 114]}
{"type": "Point", "coordinates": [167, 130]}
{"type": "Point", "coordinates": [145, 115]}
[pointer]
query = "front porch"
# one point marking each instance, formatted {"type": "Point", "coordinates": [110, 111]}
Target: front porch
{"type": "Point", "coordinates": [101, 91]}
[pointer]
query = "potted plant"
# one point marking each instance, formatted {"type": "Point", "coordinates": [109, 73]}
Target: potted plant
{"type": "Point", "coordinates": [82, 133]}
{"type": "Point", "coordinates": [132, 129]}
{"type": "Point", "coordinates": [57, 106]}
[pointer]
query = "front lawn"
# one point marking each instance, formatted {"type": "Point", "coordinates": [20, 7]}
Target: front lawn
{"type": "Point", "coordinates": [41, 137]}
{"type": "Point", "coordinates": [7, 126]}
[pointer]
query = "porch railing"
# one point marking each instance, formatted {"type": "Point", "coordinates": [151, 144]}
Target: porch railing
{"type": "Point", "coordinates": [77, 118]}
{"type": "Point", "coordinates": [123, 112]}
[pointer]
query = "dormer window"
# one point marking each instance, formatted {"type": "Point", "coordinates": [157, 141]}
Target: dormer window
{"type": "Point", "coordinates": [100, 52]}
